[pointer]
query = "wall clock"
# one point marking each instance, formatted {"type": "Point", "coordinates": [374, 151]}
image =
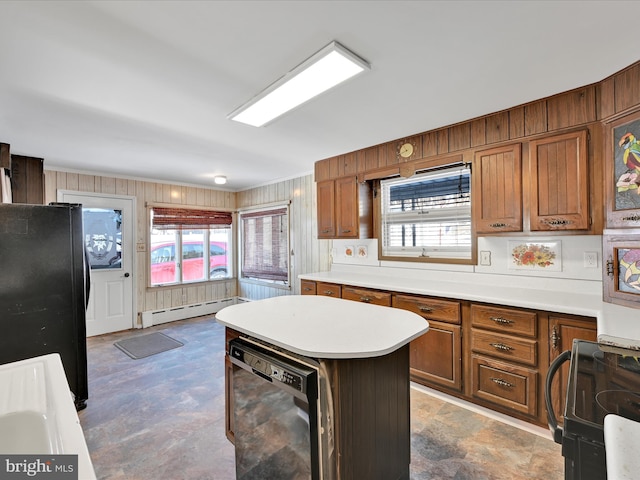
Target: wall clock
{"type": "Point", "coordinates": [405, 149]}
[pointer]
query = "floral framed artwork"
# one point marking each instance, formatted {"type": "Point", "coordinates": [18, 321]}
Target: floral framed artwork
{"type": "Point", "coordinates": [535, 256]}
{"type": "Point", "coordinates": [622, 268]}
{"type": "Point", "coordinates": [623, 172]}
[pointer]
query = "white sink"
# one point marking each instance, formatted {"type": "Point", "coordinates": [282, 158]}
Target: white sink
{"type": "Point", "coordinates": [37, 413]}
{"type": "Point", "coordinates": [621, 440]}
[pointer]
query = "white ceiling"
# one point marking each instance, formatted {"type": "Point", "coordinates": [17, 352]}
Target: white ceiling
{"type": "Point", "coordinates": [142, 89]}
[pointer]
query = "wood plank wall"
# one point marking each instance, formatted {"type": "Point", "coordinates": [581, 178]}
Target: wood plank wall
{"type": "Point", "coordinates": [309, 253]}
{"type": "Point", "coordinates": [157, 297]}
{"type": "Point", "coordinates": [582, 106]}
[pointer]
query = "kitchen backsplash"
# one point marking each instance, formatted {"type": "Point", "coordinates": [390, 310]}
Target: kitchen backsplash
{"type": "Point", "coordinates": [568, 257]}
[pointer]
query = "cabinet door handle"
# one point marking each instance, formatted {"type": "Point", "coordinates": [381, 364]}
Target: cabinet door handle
{"type": "Point", "coordinates": [610, 267]}
{"type": "Point", "coordinates": [632, 218]}
{"type": "Point", "coordinates": [554, 222]}
{"type": "Point", "coordinates": [425, 309]}
{"type": "Point", "coordinates": [498, 225]}
{"type": "Point", "coordinates": [328, 292]}
{"type": "Point", "coordinates": [502, 383]}
{"type": "Point", "coordinates": [555, 338]}
{"type": "Point", "coordinates": [346, 231]}
{"type": "Point", "coordinates": [501, 321]}
{"type": "Point", "coordinates": [326, 230]}
{"type": "Point", "coordinates": [501, 346]}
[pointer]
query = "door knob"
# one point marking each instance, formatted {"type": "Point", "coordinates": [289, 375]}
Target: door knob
{"type": "Point", "coordinates": [126, 275]}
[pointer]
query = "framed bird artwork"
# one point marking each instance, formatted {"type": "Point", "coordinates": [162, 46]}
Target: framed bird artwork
{"type": "Point", "coordinates": [623, 172]}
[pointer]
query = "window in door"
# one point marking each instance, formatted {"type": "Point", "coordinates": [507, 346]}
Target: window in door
{"type": "Point", "coordinates": [427, 217]}
{"type": "Point", "coordinates": [179, 239]}
{"type": "Point", "coordinates": [103, 237]}
{"type": "Point", "coordinates": [265, 245]}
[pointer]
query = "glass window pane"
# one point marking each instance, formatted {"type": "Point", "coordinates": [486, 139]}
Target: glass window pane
{"type": "Point", "coordinates": [103, 237]}
{"type": "Point", "coordinates": [220, 254]}
{"type": "Point", "coordinates": [193, 262]}
{"type": "Point", "coordinates": [163, 257]}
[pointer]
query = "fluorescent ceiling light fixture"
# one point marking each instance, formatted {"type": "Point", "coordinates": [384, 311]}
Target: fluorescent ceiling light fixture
{"type": "Point", "coordinates": [220, 180]}
{"type": "Point", "coordinates": [324, 70]}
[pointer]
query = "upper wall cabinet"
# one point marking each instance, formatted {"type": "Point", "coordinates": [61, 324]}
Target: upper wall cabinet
{"type": "Point", "coordinates": [622, 172]}
{"type": "Point", "coordinates": [344, 208]}
{"type": "Point", "coordinates": [497, 187]}
{"type": "Point", "coordinates": [559, 182]}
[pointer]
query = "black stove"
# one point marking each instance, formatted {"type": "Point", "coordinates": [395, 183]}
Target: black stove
{"type": "Point", "coordinates": [602, 380]}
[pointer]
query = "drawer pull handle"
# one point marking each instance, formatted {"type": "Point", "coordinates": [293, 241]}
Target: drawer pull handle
{"type": "Point", "coordinates": [501, 321]}
{"type": "Point", "coordinates": [328, 292]}
{"type": "Point", "coordinates": [502, 383]}
{"type": "Point", "coordinates": [632, 218]}
{"type": "Point", "coordinates": [424, 308]}
{"type": "Point", "coordinates": [556, 222]}
{"type": "Point", "coordinates": [501, 346]}
{"type": "Point", "coordinates": [365, 299]}
{"type": "Point", "coordinates": [498, 225]}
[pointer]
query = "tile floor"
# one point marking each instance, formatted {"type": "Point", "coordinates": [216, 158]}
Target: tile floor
{"type": "Point", "coordinates": [162, 417]}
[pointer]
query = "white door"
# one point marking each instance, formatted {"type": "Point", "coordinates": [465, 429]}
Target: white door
{"type": "Point", "coordinates": [108, 222]}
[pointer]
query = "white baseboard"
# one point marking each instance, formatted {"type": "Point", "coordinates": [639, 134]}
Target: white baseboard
{"type": "Point", "coordinates": [157, 317]}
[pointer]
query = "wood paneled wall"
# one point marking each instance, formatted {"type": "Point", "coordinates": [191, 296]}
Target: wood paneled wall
{"type": "Point", "coordinates": [579, 107]}
{"type": "Point", "coordinates": [157, 297]}
{"type": "Point", "coordinates": [309, 253]}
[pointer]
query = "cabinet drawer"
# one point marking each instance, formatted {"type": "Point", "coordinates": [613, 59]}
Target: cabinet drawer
{"type": "Point", "coordinates": [328, 289]}
{"type": "Point", "coordinates": [503, 384]}
{"type": "Point", "coordinates": [308, 287]}
{"type": "Point", "coordinates": [429, 308]}
{"type": "Point", "coordinates": [367, 296]}
{"type": "Point", "coordinates": [504, 346]}
{"type": "Point", "coordinates": [504, 320]}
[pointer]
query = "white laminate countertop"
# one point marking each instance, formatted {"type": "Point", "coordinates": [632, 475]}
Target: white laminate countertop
{"type": "Point", "coordinates": [621, 439]}
{"type": "Point", "coordinates": [617, 325]}
{"type": "Point", "coordinates": [324, 327]}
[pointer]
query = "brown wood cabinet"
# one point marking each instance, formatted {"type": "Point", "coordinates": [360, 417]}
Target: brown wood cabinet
{"type": "Point", "coordinates": [504, 359]}
{"type": "Point", "coordinates": [559, 176]}
{"type": "Point", "coordinates": [497, 187]}
{"type": "Point", "coordinates": [563, 330]}
{"type": "Point", "coordinates": [345, 208]}
{"type": "Point", "coordinates": [307, 287]}
{"type": "Point", "coordinates": [436, 357]}
{"type": "Point", "coordinates": [27, 179]}
{"type": "Point", "coordinates": [621, 255]}
{"type": "Point", "coordinates": [365, 295]}
{"type": "Point", "coordinates": [329, 289]}
{"type": "Point", "coordinates": [495, 356]}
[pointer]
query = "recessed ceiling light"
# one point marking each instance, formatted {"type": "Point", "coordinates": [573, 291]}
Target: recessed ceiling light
{"type": "Point", "coordinates": [324, 70]}
{"type": "Point", "coordinates": [220, 179]}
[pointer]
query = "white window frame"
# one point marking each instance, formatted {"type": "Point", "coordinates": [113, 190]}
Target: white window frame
{"type": "Point", "coordinates": [459, 248]}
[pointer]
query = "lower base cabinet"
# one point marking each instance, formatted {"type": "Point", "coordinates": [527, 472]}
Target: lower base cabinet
{"type": "Point", "coordinates": [492, 355]}
{"type": "Point", "coordinates": [505, 384]}
{"type": "Point", "coordinates": [436, 357]}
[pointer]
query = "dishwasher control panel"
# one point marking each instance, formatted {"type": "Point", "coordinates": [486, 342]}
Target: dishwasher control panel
{"type": "Point", "coordinates": [268, 366]}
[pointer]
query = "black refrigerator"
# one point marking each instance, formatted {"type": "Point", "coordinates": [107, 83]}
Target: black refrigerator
{"type": "Point", "coordinates": [44, 288]}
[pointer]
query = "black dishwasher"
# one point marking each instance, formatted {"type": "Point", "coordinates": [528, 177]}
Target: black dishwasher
{"type": "Point", "coordinates": [280, 429]}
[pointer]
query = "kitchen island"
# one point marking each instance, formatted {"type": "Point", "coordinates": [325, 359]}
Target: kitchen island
{"type": "Point", "coordinates": [361, 352]}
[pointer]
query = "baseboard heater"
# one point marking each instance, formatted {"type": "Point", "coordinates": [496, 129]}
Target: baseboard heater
{"type": "Point", "coordinates": [157, 317]}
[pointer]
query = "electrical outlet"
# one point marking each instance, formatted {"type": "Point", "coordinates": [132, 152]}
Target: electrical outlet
{"type": "Point", "coordinates": [591, 259]}
{"type": "Point", "coordinates": [485, 258]}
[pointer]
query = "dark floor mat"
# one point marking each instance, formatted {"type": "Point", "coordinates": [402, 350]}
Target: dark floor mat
{"type": "Point", "coordinates": [146, 345]}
